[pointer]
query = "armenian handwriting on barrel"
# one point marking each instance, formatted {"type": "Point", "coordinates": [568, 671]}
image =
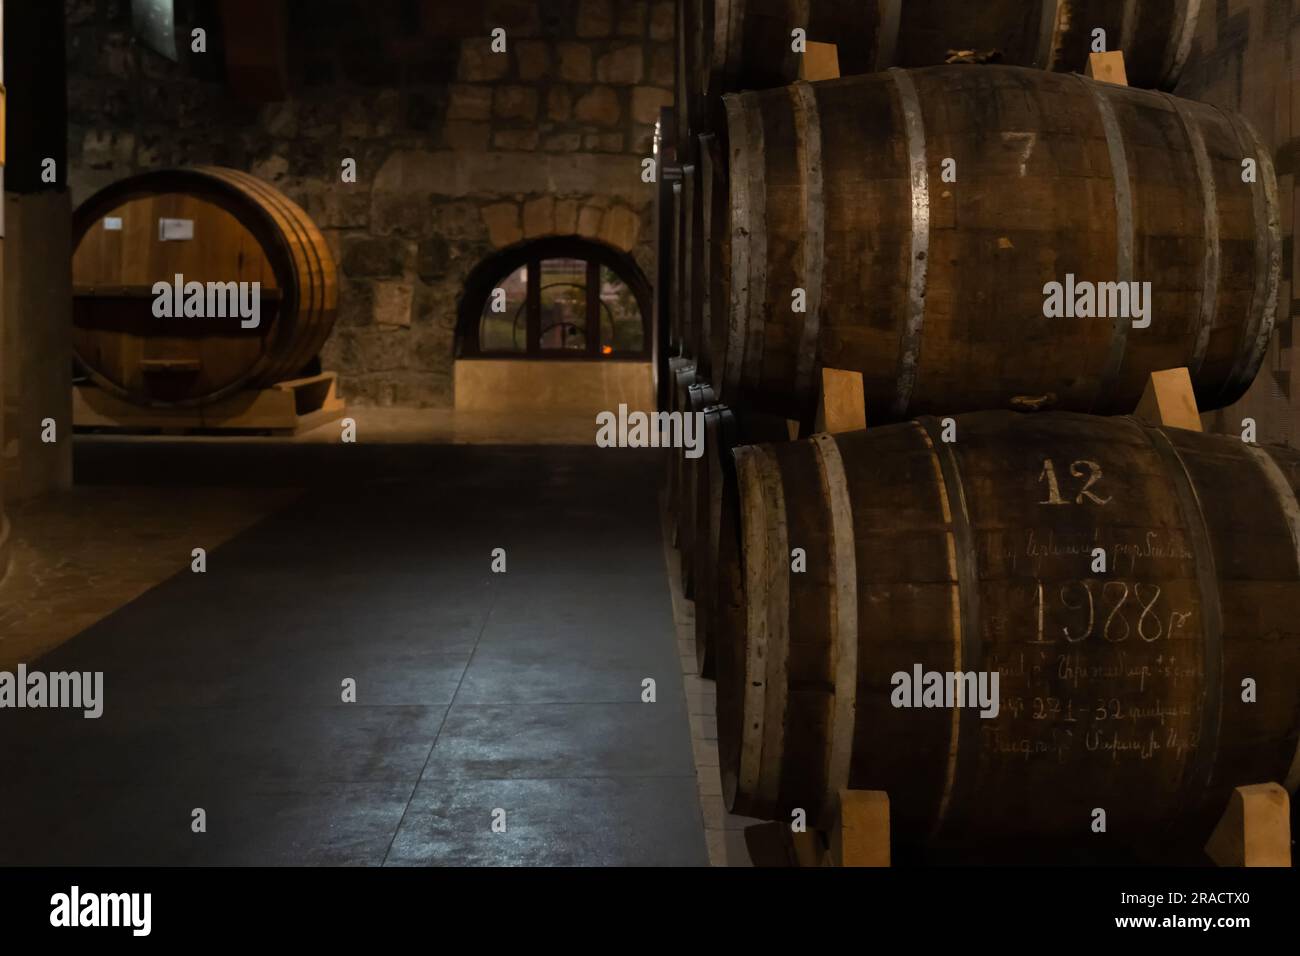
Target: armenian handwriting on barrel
{"type": "Point", "coordinates": [1115, 709]}
{"type": "Point", "coordinates": [1078, 670]}
{"type": "Point", "coordinates": [1102, 609]}
{"type": "Point", "coordinates": [1118, 742]}
{"type": "Point", "coordinates": [1154, 545]}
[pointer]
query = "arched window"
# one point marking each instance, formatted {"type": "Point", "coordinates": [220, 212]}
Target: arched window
{"type": "Point", "coordinates": [556, 298]}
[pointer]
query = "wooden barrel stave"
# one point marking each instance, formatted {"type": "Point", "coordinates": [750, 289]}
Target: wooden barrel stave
{"type": "Point", "coordinates": [693, 398]}
{"type": "Point", "coordinates": [715, 515]}
{"type": "Point", "coordinates": [942, 309]}
{"type": "Point", "coordinates": [967, 556]}
{"type": "Point", "coordinates": [317, 278]}
{"type": "Point", "coordinates": [245, 231]}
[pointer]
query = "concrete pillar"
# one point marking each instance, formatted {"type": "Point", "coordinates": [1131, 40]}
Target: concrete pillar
{"type": "Point", "coordinates": [5, 535]}
{"type": "Point", "coordinates": [36, 345]}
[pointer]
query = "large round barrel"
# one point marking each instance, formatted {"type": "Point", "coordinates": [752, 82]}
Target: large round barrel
{"type": "Point", "coordinates": [909, 225]}
{"type": "Point", "coordinates": [748, 45]}
{"type": "Point", "coordinates": [222, 229]}
{"type": "Point", "coordinates": [1149, 688]}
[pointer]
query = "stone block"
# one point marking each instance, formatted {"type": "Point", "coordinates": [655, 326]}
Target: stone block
{"type": "Point", "coordinates": [647, 101]}
{"type": "Point", "coordinates": [595, 18]}
{"type": "Point", "coordinates": [663, 66]}
{"type": "Point", "coordinates": [338, 205]}
{"type": "Point", "coordinates": [457, 134]}
{"type": "Point", "coordinates": [643, 139]}
{"type": "Point", "coordinates": [559, 104]}
{"type": "Point", "coordinates": [515, 102]}
{"type": "Point", "coordinates": [394, 214]}
{"type": "Point", "coordinates": [393, 300]}
{"type": "Point", "coordinates": [599, 106]}
{"type": "Point", "coordinates": [663, 20]}
{"type": "Point", "coordinates": [273, 169]}
{"type": "Point", "coordinates": [281, 119]}
{"type": "Point", "coordinates": [517, 17]}
{"type": "Point", "coordinates": [384, 256]}
{"type": "Point", "coordinates": [458, 220]}
{"type": "Point", "coordinates": [104, 149]}
{"type": "Point", "coordinates": [356, 303]}
{"type": "Point", "coordinates": [516, 139]}
{"type": "Point", "coordinates": [620, 227]}
{"type": "Point", "coordinates": [575, 62]}
{"type": "Point", "coordinates": [433, 256]}
{"type": "Point", "coordinates": [562, 142]}
{"type": "Point", "coordinates": [589, 220]}
{"type": "Point", "coordinates": [502, 221]}
{"type": "Point", "coordinates": [432, 346]}
{"type": "Point", "coordinates": [469, 102]}
{"type": "Point", "coordinates": [478, 64]}
{"type": "Point", "coordinates": [622, 65]}
{"type": "Point", "coordinates": [603, 142]}
{"type": "Point", "coordinates": [566, 217]}
{"type": "Point", "coordinates": [631, 18]}
{"type": "Point", "coordinates": [539, 217]}
{"type": "Point", "coordinates": [534, 59]}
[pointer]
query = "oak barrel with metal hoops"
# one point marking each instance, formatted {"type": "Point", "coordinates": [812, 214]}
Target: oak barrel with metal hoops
{"type": "Point", "coordinates": [1120, 689]}
{"type": "Point", "coordinates": [209, 225]}
{"type": "Point", "coordinates": [906, 225]}
{"type": "Point", "coordinates": [715, 516]}
{"type": "Point", "coordinates": [747, 44]}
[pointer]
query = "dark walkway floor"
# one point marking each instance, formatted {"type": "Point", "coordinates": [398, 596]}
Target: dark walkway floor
{"type": "Point", "coordinates": [475, 691]}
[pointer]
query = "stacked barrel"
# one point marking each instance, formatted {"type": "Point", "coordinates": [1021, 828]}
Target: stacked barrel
{"type": "Point", "coordinates": [911, 223]}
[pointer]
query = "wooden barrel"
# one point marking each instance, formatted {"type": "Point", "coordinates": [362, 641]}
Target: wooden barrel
{"type": "Point", "coordinates": [212, 226]}
{"type": "Point", "coordinates": [711, 288]}
{"type": "Point", "coordinates": [917, 217]}
{"type": "Point", "coordinates": [686, 257]}
{"type": "Point", "coordinates": [747, 44]}
{"type": "Point", "coordinates": [1124, 689]}
{"type": "Point", "coordinates": [714, 537]}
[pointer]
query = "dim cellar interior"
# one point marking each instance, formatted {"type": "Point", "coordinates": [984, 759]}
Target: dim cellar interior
{"type": "Point", "coordinates": [648, 433]}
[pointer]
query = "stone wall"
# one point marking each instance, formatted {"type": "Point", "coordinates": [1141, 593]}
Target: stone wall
{"type": "Point", "coordinates": [460, 151]}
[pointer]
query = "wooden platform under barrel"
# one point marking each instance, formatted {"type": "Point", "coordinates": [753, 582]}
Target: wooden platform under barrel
{"type": "Point", "coordinates": [206, 225]}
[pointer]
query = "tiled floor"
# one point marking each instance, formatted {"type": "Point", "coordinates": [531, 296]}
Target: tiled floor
{"type": "Point", "coordinates": [723, 831]}
{"type": "Point", "coordinates": [476, 692]}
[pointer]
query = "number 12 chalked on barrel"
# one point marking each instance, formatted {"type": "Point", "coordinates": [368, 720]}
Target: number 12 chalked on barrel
{"type": "Point", "coordinates": [907, 224]}
{"type": "Point", "coordinates": [1119, 689]}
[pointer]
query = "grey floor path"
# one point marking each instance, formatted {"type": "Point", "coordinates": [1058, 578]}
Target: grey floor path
{"type": "Point", "coordinates": [475, 691]}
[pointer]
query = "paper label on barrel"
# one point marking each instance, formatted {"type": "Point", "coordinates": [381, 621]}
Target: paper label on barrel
{"type": "Point", "coordinates": [173, 230]}
{"type": "Point", "coordinates": [112, 223]}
